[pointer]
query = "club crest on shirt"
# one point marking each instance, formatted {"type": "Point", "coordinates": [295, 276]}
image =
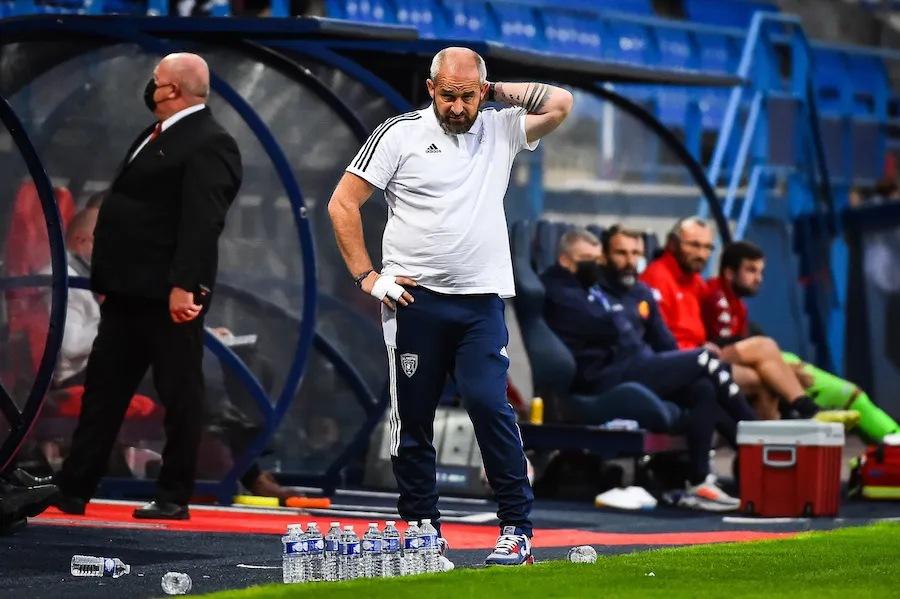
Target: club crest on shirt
{"type": "Point", "coordinates": [644, 309]}
{"type": "Point", "coordinates": [409, 363]}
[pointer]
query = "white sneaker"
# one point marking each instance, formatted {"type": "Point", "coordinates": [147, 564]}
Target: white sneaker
{"type": "Point", "coordinates": [513, 549]}
{"type": "Point", "coordinates": [620, 499]}
{"type": "Point", "coordinates": [647, 501]}
{"type": "Point", "coordinates": [708, 497]}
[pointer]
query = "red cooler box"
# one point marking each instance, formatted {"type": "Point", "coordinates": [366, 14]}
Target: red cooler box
{"type": "Point", "coordinates": [790, 468]}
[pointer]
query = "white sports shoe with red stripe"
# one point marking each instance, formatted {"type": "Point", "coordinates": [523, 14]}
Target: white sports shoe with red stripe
{"type": "Point", "coordinates": [709, 497]}
{"type": "Point", "coordinates": [512, 549]}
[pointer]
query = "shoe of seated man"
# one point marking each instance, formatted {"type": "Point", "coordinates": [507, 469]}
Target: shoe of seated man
{"type": "Point", "coordinates": [513, 548]}
{"type": "Point", "coordinates": [707, 496]}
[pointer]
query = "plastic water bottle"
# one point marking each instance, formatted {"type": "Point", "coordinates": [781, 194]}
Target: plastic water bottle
{"type": "Point", "coordinates": [301, 568]}
{"type": "Point", "coordinates": [583, 554]}
{"type": "Point", "coordinates": [289, 557]}
{"type": "Point", "coordinates": [333, 570]}
{"type": "Point", "coordinates": [349, 554]}
{"type": "Point", "coordinates": [372, 547]}
{"type": "Point", "coordinates": [176, 583]}
{"type": "Point", "coordinates": [108, 567]}
{"type": "Point", "coordinates": [392, 551]}
{"type": "Point", "coordinates": [429, 550]}
{"type": "Point", "coordinates": [315, 559]}
{"type": "Point", "coordinates": [411, 554]}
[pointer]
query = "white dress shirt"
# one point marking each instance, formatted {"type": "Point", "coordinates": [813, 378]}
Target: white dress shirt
{"type": "Point", "coordinates": [168, 123]}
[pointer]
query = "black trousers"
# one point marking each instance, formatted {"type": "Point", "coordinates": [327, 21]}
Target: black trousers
{"type": "Point", "coordinates": [695, 380]}
{"type": "Point", "coordinates": [133, 335]}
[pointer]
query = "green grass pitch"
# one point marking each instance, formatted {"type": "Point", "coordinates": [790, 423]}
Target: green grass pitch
{"type": "Point", "coordinates": [848, 563]}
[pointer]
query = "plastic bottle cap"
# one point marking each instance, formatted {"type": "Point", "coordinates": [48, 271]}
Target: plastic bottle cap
{"type": "Point", "coordinates": [426, 521]}
{"type": "Point", "coordinates": [333, 524]}
{"type": "Point", "coordinates": [391, 522]}
{"type": "Point", "coordinates": [348, 527]}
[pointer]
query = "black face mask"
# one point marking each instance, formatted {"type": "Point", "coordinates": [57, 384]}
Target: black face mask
{"type": "Point", "coordinates": [587, 272]}
{"type": "Point", "coordinates": [148, 95]}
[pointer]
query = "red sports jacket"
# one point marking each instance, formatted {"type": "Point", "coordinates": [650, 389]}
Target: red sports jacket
{"type": "Point", "coordinates": [724, 313]}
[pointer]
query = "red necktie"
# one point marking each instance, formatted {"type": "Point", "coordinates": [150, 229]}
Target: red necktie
{"type": "Point", "coordinates": [156, 132]}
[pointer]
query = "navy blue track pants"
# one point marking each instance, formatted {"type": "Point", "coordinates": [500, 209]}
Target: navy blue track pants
{"type": "Point", "coordinates": [464, 336]}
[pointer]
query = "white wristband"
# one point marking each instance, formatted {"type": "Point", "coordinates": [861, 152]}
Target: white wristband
{"type": "Point", "coordinates": [386, 285]}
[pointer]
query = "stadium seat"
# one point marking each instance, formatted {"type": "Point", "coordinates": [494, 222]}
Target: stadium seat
{"type": "Point", "coordinates": [630, 43]}
{"type": "Point", "coordinates": [640, 7]}
{"type": "Point", "coordinates": [713, 102]}
{"type": "Point", "coordinates": [869, 77]}
{"type": "Point", "coordinates": [673, 104]}
{"type": "Point", "coordinates": [420, 14]}
{"type": "Point", "coordinates": [651, 245]}
{"type": "Point", "coordinates": [675, 51]}
{"type": "Point", "coordinates": [370, 11]}
{"type": "Point", "coordinates": [725, 13]}
{"type": "Point", "coordinates": [717, 53]}
{"type": "Point", "coordinates": [829, 75]}
{"type": "Point", "coordinates": [516, 25]}
{"type": "Point", "coordinates": [465, 20]}
{"type": "Point", "coordinates": [545, 245]}
{"type": "Point", "coordinates": [569, 33]}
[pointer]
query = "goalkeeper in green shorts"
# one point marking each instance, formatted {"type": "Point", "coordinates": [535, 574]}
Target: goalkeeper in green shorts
{"type": "Point", "coordinates": [725, 318]}
{"type": "Point", "coordinates": [834, 393]}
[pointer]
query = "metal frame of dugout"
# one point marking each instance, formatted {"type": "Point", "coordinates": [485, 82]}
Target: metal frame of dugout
{"type": "Point", "coordinates": [389, 61]}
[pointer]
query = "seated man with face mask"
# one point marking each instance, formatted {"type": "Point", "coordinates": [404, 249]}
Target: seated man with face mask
{"type": "Point", "coordinates": [611, 324]}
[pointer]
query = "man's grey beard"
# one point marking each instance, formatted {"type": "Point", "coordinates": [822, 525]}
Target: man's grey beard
{"type": "Point", "coordinates": [446, 126]}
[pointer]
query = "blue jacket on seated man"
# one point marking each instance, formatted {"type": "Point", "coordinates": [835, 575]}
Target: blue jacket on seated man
{"type": "Point", "coordinates": [610, 322]}
{"type": "Point", "coordinates": [605, 324]}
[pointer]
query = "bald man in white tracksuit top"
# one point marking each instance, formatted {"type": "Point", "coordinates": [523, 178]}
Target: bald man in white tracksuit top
{"type": "Point", "coordinates": [446, 269]}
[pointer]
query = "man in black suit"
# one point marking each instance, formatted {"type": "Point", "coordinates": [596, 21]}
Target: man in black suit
{"type": "Point", "coordinates": [154, 261]}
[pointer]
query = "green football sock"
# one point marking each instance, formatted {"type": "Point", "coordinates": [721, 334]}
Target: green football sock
{"type": "Point", "coordinates": [834, 393]}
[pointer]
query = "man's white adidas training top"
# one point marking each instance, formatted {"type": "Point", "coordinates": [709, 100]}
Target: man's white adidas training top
{"type": "Point", "coordinates": [446, 225]}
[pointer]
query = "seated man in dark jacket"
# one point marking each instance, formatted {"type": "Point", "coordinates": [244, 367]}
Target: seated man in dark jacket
{"type": "Point", "coordinates": [611, 324]}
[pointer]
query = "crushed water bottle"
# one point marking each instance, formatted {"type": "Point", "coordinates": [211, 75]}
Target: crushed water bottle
{"type": "Point", "coordinates": [392, 551]}
{"type": "Point", "coordinates": [176, 583]}
{"type": "Point", "coordinates": [411, 555]}
{"type": "Point", "coordinates": [583, 554]}
{"type": "Point", "coordinates": [372, 547]}
{"type": "Point", "coordinates": [290, 557]}
{"type": "Point", "coordinates": [315, 550]}
{"type": "Point", "coordinates": [86, 565]}
{"type": "Point", "coordinates": [349, 554]}
{"type": "Point", "coordinates": [429, 550]}
{"type": "Point", "coordinates": [333, 571]}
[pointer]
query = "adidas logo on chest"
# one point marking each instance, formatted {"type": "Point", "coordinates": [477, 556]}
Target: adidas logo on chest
{"type": "Point", "coordinates": [432, 149]}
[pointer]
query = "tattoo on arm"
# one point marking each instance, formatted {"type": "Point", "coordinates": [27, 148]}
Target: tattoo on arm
{"type": "Point", "coordinates": [533, 97]}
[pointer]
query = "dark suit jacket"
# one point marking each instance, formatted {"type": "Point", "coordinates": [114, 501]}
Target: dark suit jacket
{"type": "Point", "coordinates": [160, 224]}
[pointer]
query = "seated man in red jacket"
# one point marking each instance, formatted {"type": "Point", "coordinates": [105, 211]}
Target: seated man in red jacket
{"type": "Point", "coordinates": [740, 275]}
{"type": "Point", "coordinates": [679, 289]}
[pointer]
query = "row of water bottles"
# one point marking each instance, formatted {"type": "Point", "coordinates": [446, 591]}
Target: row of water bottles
{"type": "Point", "coordinates": [310, 556]}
